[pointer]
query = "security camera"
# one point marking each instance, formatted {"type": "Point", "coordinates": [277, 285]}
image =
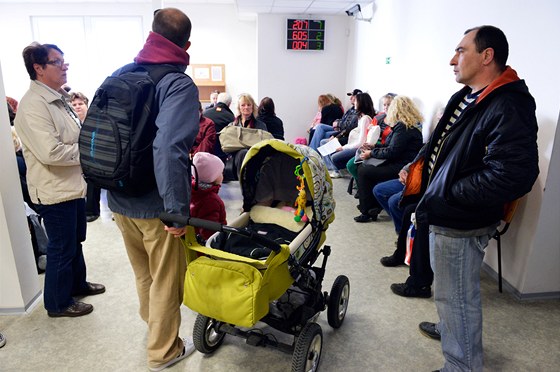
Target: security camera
{"type": "Point", "coordinates": [354, 10]}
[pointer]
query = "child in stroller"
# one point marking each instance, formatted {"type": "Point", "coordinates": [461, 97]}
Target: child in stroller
{"type": "Point", "coordinates": [274, 280]}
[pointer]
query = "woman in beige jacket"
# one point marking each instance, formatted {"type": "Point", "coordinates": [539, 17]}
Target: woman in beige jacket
{"type": "Point", "coordinates": [49, 129]}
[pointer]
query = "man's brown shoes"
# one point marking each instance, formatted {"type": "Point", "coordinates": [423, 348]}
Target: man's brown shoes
{"type": "Point", "coordinates": [74, 310]}
{"type": "Point", "coordinates": [91, 289]}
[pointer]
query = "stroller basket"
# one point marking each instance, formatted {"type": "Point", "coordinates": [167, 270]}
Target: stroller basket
{"type": "Point", "coordinates": [229, 287]}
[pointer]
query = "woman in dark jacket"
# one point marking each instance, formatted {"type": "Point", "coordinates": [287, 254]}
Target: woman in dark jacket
{"type": "Point", "coordinates": [330, 111]}
{"type": "Point", "coordinates": [267, 114]}
{"type": "Point", "coordinates": [383, 162]}
{"type": "Point", "coordinates": [247, 109]}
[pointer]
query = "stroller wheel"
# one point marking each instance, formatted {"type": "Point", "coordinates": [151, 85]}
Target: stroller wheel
{"type": "Point", "coordinates": [338, 301]}
{"type": "Point", "coordinates": [307, 351]}
{"type": "Point", "coordinates": [206, 336]}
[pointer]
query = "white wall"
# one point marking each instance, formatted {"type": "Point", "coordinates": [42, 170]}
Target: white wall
{"type": "Point", "coordinates": [420, 37]}
{"type": "Point", "coordinates": [543, 268]}
{"type": "Point", "coordinates": [15, 20]}
{"type": "Point", "coordinates": [217, 37]}
{"type": "Point", "coordinates": [294, 79]}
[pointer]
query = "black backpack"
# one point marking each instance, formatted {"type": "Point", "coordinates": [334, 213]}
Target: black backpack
{"type": "Point", "coordinates": [117, 135]}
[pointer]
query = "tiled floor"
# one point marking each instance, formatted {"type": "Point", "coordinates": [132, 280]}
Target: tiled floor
{"type": "Point", "coordinates": [380, 332]}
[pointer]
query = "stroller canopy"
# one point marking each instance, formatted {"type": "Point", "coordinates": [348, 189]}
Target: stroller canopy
{"type": "Point", "coordinates": [267, 176]}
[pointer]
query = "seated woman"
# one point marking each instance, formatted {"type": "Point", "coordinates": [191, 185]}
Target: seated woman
{"type": "Point", "coordinates": [384, 130]}
{"type": "Point", "coordinates": [268, 116]}
{"type": "Point", "coordinates": [337, 160]}
{"type": "Point", "coordinates": [383, 162]}
{"type": "Point", "coordinates": [330, 111]}
{"type": "Point", "coordinates": [246, 110]}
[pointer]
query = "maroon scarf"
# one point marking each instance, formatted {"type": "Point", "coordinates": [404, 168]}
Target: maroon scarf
{"type": "Point", "coordinates": [158, 50]}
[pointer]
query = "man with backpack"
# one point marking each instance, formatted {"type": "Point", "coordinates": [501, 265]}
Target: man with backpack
{"type": "Point", "coordinates": [156, 256]}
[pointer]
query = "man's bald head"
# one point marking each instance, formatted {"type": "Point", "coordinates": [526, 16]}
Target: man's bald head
{"type": "Point", "coordinates": [172, 24]}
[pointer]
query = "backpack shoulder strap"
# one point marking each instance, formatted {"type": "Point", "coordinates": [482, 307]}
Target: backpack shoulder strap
{"type": "Point", "coordinates": [156, 72]}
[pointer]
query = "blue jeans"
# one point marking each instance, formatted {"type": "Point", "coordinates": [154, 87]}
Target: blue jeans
{"type": "Point", "coordinates": [456, 258]}
{"type": "Point", "coordinates": [338, 160]}
{"type": "Point", "coordinates": [322, 131]}
{"type": "Point", "coordinates": [389, 194]}
{"type": "Point", "coordinates": [66, 269]}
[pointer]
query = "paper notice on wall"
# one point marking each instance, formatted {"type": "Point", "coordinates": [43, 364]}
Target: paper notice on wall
{"type": "Point", "coordinates": [217, 73]}
{"type": "Point", "coordinates": [202, 73]}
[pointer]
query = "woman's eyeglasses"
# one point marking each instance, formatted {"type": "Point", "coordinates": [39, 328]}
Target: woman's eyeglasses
{"type": "Point", "coordinates": [58, 63]}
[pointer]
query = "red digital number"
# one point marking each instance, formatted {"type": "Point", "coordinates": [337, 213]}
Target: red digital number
{"type": "Point", "coordinates": [299, 45]}
{"type": "Point", "coordinates": [300, 24]}
{"type": "Point", "coordinates": [299, 35]}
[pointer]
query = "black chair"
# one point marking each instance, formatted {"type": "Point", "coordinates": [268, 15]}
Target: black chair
{"type": "Point", "coordinates": [350, 186]}
{"type": "Point", "coordinates": [509, 212]}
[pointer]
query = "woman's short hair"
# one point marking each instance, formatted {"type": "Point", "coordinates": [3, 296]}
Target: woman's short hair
{"type": "Point", "coordinates": [224, 98]}
{"type": "Point", "coordinates": [79, 95]}
{"type": "Point", "coordinates": [36, 53]}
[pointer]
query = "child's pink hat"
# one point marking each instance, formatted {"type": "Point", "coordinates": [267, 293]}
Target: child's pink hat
{"type": "Point", "coordinates": [208, 166]}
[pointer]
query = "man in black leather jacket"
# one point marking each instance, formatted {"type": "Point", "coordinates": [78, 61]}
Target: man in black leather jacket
{"type": "Point", "coordinates": [482, 155]}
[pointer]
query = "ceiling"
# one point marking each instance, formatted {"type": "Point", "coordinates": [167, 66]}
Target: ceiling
{"type": "Point", "coordinates": [245, 7]}
{"type": "Point", "coordinates": [308, 7]}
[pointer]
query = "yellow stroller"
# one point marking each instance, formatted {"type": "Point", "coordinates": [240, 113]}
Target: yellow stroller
{"type": "Point", "coordinates": [260, 266]}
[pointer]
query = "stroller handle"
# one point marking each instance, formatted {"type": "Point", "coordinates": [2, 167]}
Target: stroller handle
{"type": "Point", "coordinates": [168, 219]}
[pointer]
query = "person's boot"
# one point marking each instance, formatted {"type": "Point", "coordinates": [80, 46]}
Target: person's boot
{"type": "Point", "coordinates": [429, 330]}
{"type": "Point", "coordinates": [391, 261]}
{"type": "Point", "coordinates": [405, 290]}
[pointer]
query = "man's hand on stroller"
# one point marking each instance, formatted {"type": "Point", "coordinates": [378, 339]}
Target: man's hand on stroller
{"type": "Point", "coordinates": [175, 231]}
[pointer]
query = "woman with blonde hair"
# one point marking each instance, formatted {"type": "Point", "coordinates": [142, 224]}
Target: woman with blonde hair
{"type": "Point", "coordinates": [246, 118]}
{"type": "Point", "coordinates": [247, 113]}
{"type": "Point", "coordinates": [383, 162]}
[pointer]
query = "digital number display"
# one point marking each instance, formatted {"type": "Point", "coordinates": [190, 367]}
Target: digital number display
{"type": "Point", "coordinates": [306, 34]}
